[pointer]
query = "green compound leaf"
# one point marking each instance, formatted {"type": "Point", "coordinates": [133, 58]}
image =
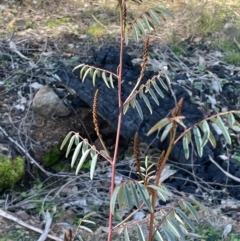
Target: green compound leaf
{"type": "Point", "coordinates": [135, 33]}
{"type": "Point", "coordinates": [166, 131]}
{"type": "Point", "coordinates": [192, 210]}
{"type": "Point", "coordinates": [139, 109]}
{"type": "Point", "coordinates": [161, 81]}
{"type": "Point", "coordinates": [154, 17]}
{"type": "Point", "coordinates": [231, 120]}
{"type": "Point", "coordinates": [140, 233]}
{"type": "Point", "coordinates": [111, 81]}
{"type": "Point", "coordinates": [70, 145]}
{"type": "Point", "coordinates": [105, 79]}
{"type": "Point", "coordinates": [153, 95]}
{"type": "Point", "coordinates": [76, 153]}
{"type": "Point", "coordinates": [158, 90]}
{"type": "Point", "coordinates": [146, 22]}
{"type": "Point", "coordinates": [185, 146]}
{"type": "Point", "coordinates": [135, 194]}
{"type": "Point", "coordinates": [82, 160]}
{"type": "Point", "coordinates": [224, 130]}
{"type": "Point", "coordinates": [95, 74]}
{"type": "Point", "coordinates": [163, 11]}
{"type": "Point", "coordinates": [128, 196]}
{"type": "Point", "coordinates": [93, 166]}
{"type": "Point", "coordinates": [126, 236]}
{"type": "Point", "coordinates": [114, 198]}
{"type": "Point", "coordinates": [169, 235]}
{"type": "Point", "coordinates": [185, 218]}
{"type": "Point", "coordinates": [206, 130]}
{"type": "Point", "coordinates": [125, 108]}
{"type": "Point", "coordinates": [86, 74]}
{"type": "Point", "coordinates": [66, 140]}
{"type": "Point", "coordinates": [145, 196]}
{"type": "Point", "coordinates": [147, 102]}
{"type": "Point", "coordinates": [82, 71]}
{"type": "Point", "coordinates": [198, 140]}
{"type": "Point", "coordinates": [159, 125]}
{"type": "Point", "coordinates": [140, 26]}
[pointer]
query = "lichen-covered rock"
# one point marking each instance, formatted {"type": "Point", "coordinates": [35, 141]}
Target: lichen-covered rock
{"type": "Point", "coordinates": [11, 171]}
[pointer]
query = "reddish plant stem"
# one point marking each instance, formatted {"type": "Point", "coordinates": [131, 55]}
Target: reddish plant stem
{"type": "Point", "coordinates": [120, 106]}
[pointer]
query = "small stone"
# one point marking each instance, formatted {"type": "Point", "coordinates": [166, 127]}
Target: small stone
{"type": "Point", "coordinates": [46, 103]}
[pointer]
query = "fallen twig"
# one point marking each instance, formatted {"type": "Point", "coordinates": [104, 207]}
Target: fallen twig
{"type": "Point", "coordinates": [48, 219]}
{"type": "Point", "coordinates": [226, 173]}
{"type": "Point", "coordinates": [20, 222]}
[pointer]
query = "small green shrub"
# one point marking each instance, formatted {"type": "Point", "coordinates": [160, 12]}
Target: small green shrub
{"type": "Point", "coordinates": [11, 171]}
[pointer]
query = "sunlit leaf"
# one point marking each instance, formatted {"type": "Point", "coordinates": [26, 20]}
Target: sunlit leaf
{"type": "Point", "coordinates": [75, 154]}
{"type": "Point", "coordinates": [82, 71]}
{"type": "Point", "coordinates": [150, 90]}
{"type": "Point", "coordinates": [134, 193]}
{"type": "Point", "coordinates": [146, 22]}
{"type": "Point", "coordinates": [140, 234]}
{"type": "Point", "coordinates": [236, 128]}
{"type": "Point", "coordinates": [128, 196]}
{"type": "Point", "coordinates": [163, 193]}
{"type": "Point", "coordinates": [168, 234]}
{"type": "Point", "coordinates": [82, 160]}
{"type": "Point", "coordinates": [145, 196]}
{"type": "Point", "coordinates": [158, 236]}
{"type": "Point", "coordinates": [139, 109]}
{"type": "Point", "coordinates": [126, 236]}
{"type": "Point", "coordinates": [185, 146]}
{"type": "Point", "coordinates": [135, 33]}
{"type": "Point", "coordinates": [70, 145]}
{"type": "Point", "coordinates": [122, 202]}
{"type": "Point", "coordinates": [200, 205]}
{"type": "Point", "coordinates": [95, 76]}
{"type": "Point", "coordinates": [132, 102]}
{"type": "Point", "coordinates": [163, 11]}
{"type": "Point", "coordinates": [224, 130]}
{"type": "Point", "coordinates": [198, 140]}
{"type": "Point", "coordinates": [111, 81]}
{"type": "Point", "coordinates": [125, 108]}
{"type": "Point", "coordinates": [162, 83]}
{"type": "Point", "coordinates": [185, 218]}
{"type": "Point", "coordinates": [93, 166]}
{"type": "Point", "coordinates": [212, 140]}
{"type": "Point", "coordinates": [192, 210]}
{"type": "Point", "coordinates": [114, 198]}
{"type": "Point", "coordinates": [85, 228]}
{"type": "Point", "coordinates": [154, 17]}
{"type": "Point", "coordinates": [105, 79]}
{"type": "Point", "coordinates": [168, 79]}
{"type": "Point", "coordinates": [66, 140]}
{"type": "Point", "coordinates": [159, 125]}
{"type": "Point", "coordinates": [231, 120]}
{"type": "Point", "coordinates": [140, 26]}
{"type": "Point", "coordinates": [76, 140]}
{"type": "Point", "coordinates": [157, 89]}
{"type": "Point", "coordinates": [77, 67]}
{"type": "Point", "coordinates": [85, 146]}
{"type": "Point", "coordinates": [166, 131]}
{"type": "Point", "coordinates": [206, 131]}
{"type": "Point", "coordinates": [175, 225]}
{"type": "Point", "coordinates": [147, 102]}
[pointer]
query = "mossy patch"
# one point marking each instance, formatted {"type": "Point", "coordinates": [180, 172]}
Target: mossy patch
{"type": "Point", "coordinates": [51, 23]}
{"type": "Point", "coordinates": [11, 171]}
{"type": "Point", "coordinates": [96, 30]}
{"type": "Point", "coordinates": [52, 156]}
